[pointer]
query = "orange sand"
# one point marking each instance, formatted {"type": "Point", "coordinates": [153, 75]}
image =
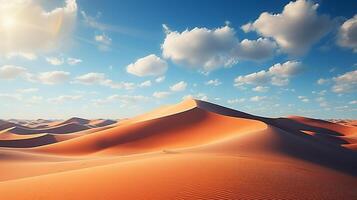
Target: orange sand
{"type": "Point", "coordinates": [192, 150]}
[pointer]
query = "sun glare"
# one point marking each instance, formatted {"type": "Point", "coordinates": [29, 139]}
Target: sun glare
{"type": "Point", "coordinates": [8, 22]}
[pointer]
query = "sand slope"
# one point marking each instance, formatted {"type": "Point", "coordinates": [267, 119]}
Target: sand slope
{"type": "Point", "coordinates": [191, 150]}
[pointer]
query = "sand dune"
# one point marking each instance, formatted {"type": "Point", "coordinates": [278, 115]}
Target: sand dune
{"type": "Point", "coordinates": [191, 150]}
{"type": "Point", "coordinates": [60, 129]}
{"type": "Point", "coordinates": [191, 127]}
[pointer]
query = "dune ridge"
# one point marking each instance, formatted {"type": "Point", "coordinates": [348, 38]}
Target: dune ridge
{"type": "Point", "coordinates": [190, 150]}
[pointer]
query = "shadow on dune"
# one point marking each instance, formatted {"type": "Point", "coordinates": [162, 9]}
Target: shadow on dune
{"type": "Point", "coordinates": [323, 148]}
{"type": "Point", "coordinates": [29, 142]}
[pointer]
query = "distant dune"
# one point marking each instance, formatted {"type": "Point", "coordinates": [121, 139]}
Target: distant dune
{"type": "Point", "coordinates": [191, 150]}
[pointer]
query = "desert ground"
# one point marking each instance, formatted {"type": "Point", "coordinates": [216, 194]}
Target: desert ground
{"type": "Point", "coordinates": [191, 150]}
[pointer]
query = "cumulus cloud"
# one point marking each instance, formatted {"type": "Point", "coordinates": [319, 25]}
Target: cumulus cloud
{"type": "Point", "coordinates": [208, 49]}
{"type": "Point", "coordinates": [304, 99]}
{"type": "Point", "coordinates": [322, 81]}
{"type": "Point", "coordinates": [27, 27]}
{"type": "Point", "coordinates": [28, 90]}
{"type": "Point", "coordinates": [150, 65]}
{"type": "Point", "coordinates": [11, 71]}
{"type": "Point", "coordinates": [73, 61]}
{"type": "Point", "coordinates": [199, 96]}
{"type": "Point", "coordinates": [347, 36]}
{"type": "Point", "coordinates": [53, 77]}
{"type": "Point", "coordinates": [236, 101]}
{"type": "Point", "coordinates": [103, 41]}
{"type": "Point", "coordinates": [178, 87]}
{"type": "Point", "coordinates": [55, 60]}
{"type": "Point", "coordinates": [214, 82]}
{"type": "Point", "coordinates": [160, 95]}
{"type": "Point", "coordinates": [257, 98]}
{"type": "Point", "coordinates": [345, 83]}
{"type": "Point", "coordinates": [145, 84]}
{"type": "Point", "coordinates": [28, 56]}
{"type": "Point", "coordinates": [260, 89]}
{"type": "Point", "coordinates": [259, 49]}
{"type": "Point", "coordinates": [277, 74]}
{"type": "Point", "coordinates": [295, 29]}
{"type": "Point", "coordinates": [100, 79]}
{"type": "Point", "coordinates": [160, 79]}
{"type": "Point", "coordinates": [124, 99]}
{"type": "Point", "coordinates": [64, 98]}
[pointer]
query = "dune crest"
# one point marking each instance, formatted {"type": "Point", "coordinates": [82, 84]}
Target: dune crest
{"type": "Point", "coordinates": [190, 150]}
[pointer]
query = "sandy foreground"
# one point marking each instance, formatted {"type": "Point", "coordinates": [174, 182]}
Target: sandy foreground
{"type": "Point", "coordinates": [191, 150]}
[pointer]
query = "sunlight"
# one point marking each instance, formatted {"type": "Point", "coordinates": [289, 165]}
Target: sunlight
{"type": "Point", "coordinates": [8, 22]}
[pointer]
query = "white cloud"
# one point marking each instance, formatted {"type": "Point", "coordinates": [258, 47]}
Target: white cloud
{"type": "Point", "coordinates": [260, 89]}
{"type": "Point", "coordinates": [34, 29]}
{"type": "Point", "coordinates": [236, 101]}
{"type": "Point", "coordinates": [354, 102]}
{"type": "Point", "coordinates": [124, 99]}
{"type": "Point", "coordinates": [28, 90]}
{"type": "Point", "coordinates": [150, 65]}
{"type": "Point", "coordinates": [322, 102]}
{"type": "Point", "coordinates": [90, 78]}
{"type": "Point", "coordinates": [11, 71]}
{"type": "Point", "coordinates": [160, 95]}
{"type": "Point", "coordinates": [100, 79]}
{"type": "Point", "coordinates": [295, 29]}
{"type": "Point", "coordinates": [347, 36]}
{"type": "Point", "coordinates": [304, 99]}
{"type": "Point", "coordinates": [259, 49]}
{"type": "Point", "coordinates": [257, 98]}
{"type": "Point", "coordinates": [103, 41]}
{"type": "Point", "coordinates": [277, 74]}
{"type": "Point", "coordinates": [28, 56]}
{"type": "Point", "coordinates": [208, 49]}
{"type": "Point", "coordinates": [180, 86]}
{"type": "Point", "coordinates": [55, 60]}
{"type": "Point", "coordinates": [73, 61]}
{"type": "Point", "coordinates": [10, 97]}
{"type": "Point", "coordinates": [160, 79]}
{"type": "Point", "coordinates": [214, 82]}
{"type": "Point", "coordinates": [145, 84]}
{"type": "Point", "coordinates": [64, 98]}
{"type": "Point", "coordinates": [345, 83]}
{"type": "Point", "coordinates": [53, 77]}
{"type": "Point", "coordinates": [199, 96]}
{"type": "Point", "coordinates": [322, 81]}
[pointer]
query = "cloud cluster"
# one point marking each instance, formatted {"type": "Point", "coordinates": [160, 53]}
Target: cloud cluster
{"type": "Point", "coordinates": [345, 83]}
{"type": "Point", "coordinates": [11, 71]}
{"type": "Point", "coordinates": [161, 94]}
{"type": "Point", "coordinates": [100, 79]}
{"type": "Point", "coordinates": [124, 99]}
{"type": "Point", "coordinates": [277, 74]}
{"type": "Point", "coordinates": [347, 36]}
{"type": "Point", "coordinates": [27, 27]}
{"type": "Point", "coordinates": [178, 87]}
{"type": "Point", "coordinates": [103, 41]}
{"type": "Point", "coordinates": [150, 65]}
{"type": "Point", "coordinates": [64, 98]}
{"type": "Point", "coordinates": [55, 60]}
{"type": "Point", "coordinates": [214, 82]}
{"type": "Point", "coordinates": [53, 77]}
{"type": "Point", "coordinates": [207, 49]}
{"type": "Point", "coordinates": [295, 29]}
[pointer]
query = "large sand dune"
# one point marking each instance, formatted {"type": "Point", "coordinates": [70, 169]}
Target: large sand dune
{"type": "Point", "coordinates": [191, 150]}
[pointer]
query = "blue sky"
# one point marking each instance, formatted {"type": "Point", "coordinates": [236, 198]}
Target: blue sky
{"type": "Point", "coordinates": [115, 59]}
